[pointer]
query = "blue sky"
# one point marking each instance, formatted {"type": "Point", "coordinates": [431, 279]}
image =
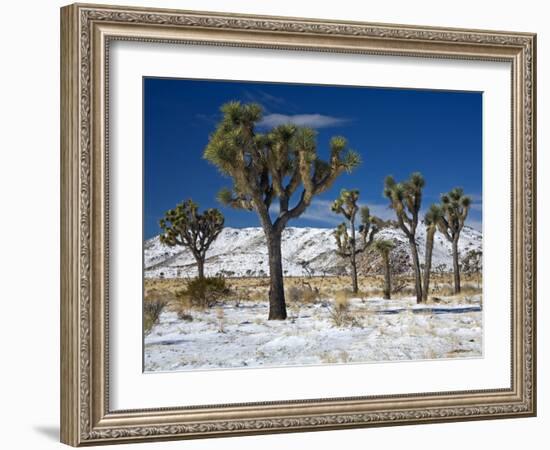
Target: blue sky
{"type": "Point", "coordinates": [396, 131]}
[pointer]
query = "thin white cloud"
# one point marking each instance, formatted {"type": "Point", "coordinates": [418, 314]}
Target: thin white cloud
{"type": "Point", "coordinates": [303, 120]}
{"type": "Point", "coordinates": [320, 211]}
{"type": "Point", "coordinates": [259, 96]}
{"type": "Point", "coordinates": [380, 210]}
{"type": "Point", "coordinates": [477, 202]}
{"type": "Point", "coordinates": [476, 206]}
{"type": "Point", "coordinates": [477, 198]}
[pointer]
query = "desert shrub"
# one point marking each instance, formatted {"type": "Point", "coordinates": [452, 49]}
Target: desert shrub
{"type": "Point", "coordinates": [293, 294]}
{"type": "Point", "coordinates": [469, 289]}
{"type": "Point", "coordinates": [302, 294]}
{"type": "Point", "coordinates": [203, 292]}
{"type": "Point", "coordinates": [340, 310]}
{"type": "Point", "coordinates": [399, 285]}
{"type": "Point", "coordinates": [151, 313]}
{"type": "Point", "coordinates": [445, 290]}
{"type": "Point", "coordinates": [309, 295]}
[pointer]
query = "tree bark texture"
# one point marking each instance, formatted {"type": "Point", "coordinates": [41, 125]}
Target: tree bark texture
{"type": "Point", "coordinates": [456, 267]}
{"type": "Point", "coordinates": [200, 267]}
{"type": "Point", "coordinates": [428, 264]}
{"type": "Point", "coordinates": [387, 277]}
{"type": "Point", "coordinates": [277, 305]}
{"type": "Point", "coordinates": [417, 274]}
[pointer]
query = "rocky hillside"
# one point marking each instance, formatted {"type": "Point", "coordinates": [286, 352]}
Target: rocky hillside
{"type": "Point", "coordinates": [242, 252]}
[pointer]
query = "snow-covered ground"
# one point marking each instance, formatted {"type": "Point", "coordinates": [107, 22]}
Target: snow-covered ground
{"type": "Point", "coordinates": [232, 336]}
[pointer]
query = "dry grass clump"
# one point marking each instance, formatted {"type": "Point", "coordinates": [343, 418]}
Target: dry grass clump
{"type": "Point", "coordinates": [151, 312]}
{"type": "Point", "coordinates": [444, 290]}
{"type": "Point", "coordinates": [220, 316]}
{"type": "Point", "coordinates": [470, 289]}
{"type": "Point", "coordinates": [168, 286]}
{"type": "Point", "coordinates": [340, 311]}
{"type": "Point", "coordinates": [246, 294]}
{"type": "Point", "coordinates": [335, 357]}
{"type": "Point", "coordinates": [302, 294]}
{"type": "Point", "coordinates": [447, 290]}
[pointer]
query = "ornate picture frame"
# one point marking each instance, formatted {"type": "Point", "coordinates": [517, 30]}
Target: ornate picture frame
{"type": "Point", "coordinates": [87, 31]}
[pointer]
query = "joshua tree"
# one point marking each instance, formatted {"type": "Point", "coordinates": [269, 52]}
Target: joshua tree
{"type": "Point", "coordinates": [184, 226]}
{"type": "Point", "coordinates": [270, 166]}
{"type": "Point", "coordinates": [473, 264]}
{"type": "Point", "coordinates": [347, 244]}
{"type": "Point", "coordinates": [406, 199]}
{"type": "Point", "coordinates": [384, 247]}
{"type": "Point", "coordinates": [431, 220]}
{"type": "Point", "coordinates": [455, 206]}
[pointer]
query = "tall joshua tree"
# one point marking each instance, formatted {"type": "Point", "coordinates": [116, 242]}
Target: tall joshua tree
{"type": "Point", "coordinates": [185, 226]}
{"type": "Point", "coordinates": [455, 206]}
{"type": "Point", "coordinates": [273, 166]}
{"type": "Point", "coordinates": [384, 247]}
{"type": "Point", "coordinates": [432, 221]}
{"type": "Point", "coordinates": [346, 241]}
{"type": "Point", "coordinates": [406, 199]}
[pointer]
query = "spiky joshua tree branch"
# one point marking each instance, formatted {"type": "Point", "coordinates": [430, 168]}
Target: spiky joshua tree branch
{"type": "Point", "coordinates": [185, 226]}
{"type": "Point", "coordinates": [348, 245]}
{"type": "Point", "coordinates": [273, 167]}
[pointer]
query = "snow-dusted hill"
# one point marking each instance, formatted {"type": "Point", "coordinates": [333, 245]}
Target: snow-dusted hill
{"type": "Point", "coordinates": [242, 252]}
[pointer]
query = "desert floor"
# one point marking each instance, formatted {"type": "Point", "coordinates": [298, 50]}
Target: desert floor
{"type": "Point", "coordinates": [325, 325]}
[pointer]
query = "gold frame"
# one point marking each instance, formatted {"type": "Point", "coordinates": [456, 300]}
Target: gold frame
{"type": "Point", "coordinates": [86, 31]}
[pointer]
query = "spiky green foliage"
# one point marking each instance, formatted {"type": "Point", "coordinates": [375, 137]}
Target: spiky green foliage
{"type": "Point", "coordinates": [272, 165]}
{"type": "Point", "coordinates": [185, 226]}
{"type": "Point", "coordinates": [433, 216]}
{"type": "Point", "coordinates": [455, 207]}
{"type": "Point", "coordinates": [406, 200]}
{"type": "Point", "coordinates": [384, 246]}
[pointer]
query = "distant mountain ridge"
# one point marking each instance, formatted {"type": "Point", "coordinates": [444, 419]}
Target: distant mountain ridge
{"type": "Point", "coordinates": [242, 252]}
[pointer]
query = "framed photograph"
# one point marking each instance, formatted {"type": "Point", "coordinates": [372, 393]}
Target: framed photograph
{"type": "Point", "coordinates": [276, 224]}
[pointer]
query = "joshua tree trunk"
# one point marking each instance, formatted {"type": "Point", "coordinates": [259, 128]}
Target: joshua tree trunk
{"type": "Point", "coordinates": [417, 274]}
{"type": "Point", "coordinates": [277, 306]}
{"type": "Point", "coordinates": [428, 263]}
{"type": "Point", "coordinates": [354, 286]}
{"type": "Point", "coordinates": [200, 266]}
{"type": "Point", "coordinates": [387, 277]}
{"type": "Point", "coordinates": [456, 268]}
